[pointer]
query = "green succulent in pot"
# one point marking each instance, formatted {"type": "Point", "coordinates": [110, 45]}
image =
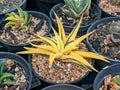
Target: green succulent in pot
{"type": "Point", "coordinates": [22, 20]}
{"type": "Point", "coordinates": [75, 8]}
{"type": "Point", "coordinates": [5, 77]}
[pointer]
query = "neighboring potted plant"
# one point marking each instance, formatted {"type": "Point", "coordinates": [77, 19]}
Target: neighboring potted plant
{"type": "Point", "coordinates": [108, 78]}
{"type": "Point", "coordinates": [63, 87]}
{"type": "Point", "coordinates": [109, 7]}
{"type": "Point", "coordinates": [70, 11]}
{"type": "Point", "coordinates": [61, 58]}
{"type": "Point", "coordinates": [7, 6]}
{"type": "Point", "coordinates": [15, 72]}
{"type": "Point", "coordinates": [106, 39]}
{"type": "Point", "coordinates": [16, 29]}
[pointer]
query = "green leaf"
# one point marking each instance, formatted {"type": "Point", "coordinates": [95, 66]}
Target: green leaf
{"type": "Point", "coordinates": [117, 81]}
{"type": "Point", "coordinates": [20, 11]}
{"type": "Point", "coordinates": [75, 8]}
{"type": "Point", "coordinates": [6, 75]}
{"type": "Point", "coordinates": [30, 19]}
{"type": "Point", "coordinates": [8, 82]}
{"type": "Point", "coordinates": [2, 64]}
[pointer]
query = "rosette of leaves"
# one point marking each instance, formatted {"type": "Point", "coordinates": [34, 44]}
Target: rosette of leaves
{"type": "Point", "coordinates": [22, 20]}
{"type": "Point", "coordinates": [6, 78]}
{"type": "Point", "coordinates": [64, 47]}
{"type": "Point", "coordinates": [75, 8]}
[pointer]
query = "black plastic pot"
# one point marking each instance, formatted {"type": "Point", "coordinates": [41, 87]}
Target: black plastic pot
{"type": "Point", "coordinates": [1, 46]}
{"type": "Point", "coordinates": [99, 64]}
{"type": "Point", "coordinates": [63, 87]}
{"type": "Point", "coordinates": [112, 70]}
{"type": "Point", "coordinates": [78, 82]}
{"type": "Point", "coordinates": [21, 61]}
{"type": "Point", "coordinates": [104, 14]}
{"type": "Point", "coordinates": [94, 1]}
{"type": "Point", "coordinates": [45, 5]}
{"type": "Point", "coordinates": [95, 11]}
{"type": "Point", "coordinates": [19, 47]}
{"type": "Point", "coordinates": [22, 5]}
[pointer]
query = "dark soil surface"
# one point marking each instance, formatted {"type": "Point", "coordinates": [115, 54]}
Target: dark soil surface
{"type": "Point", "coordinates": [20, 79]}
{"type": "Point", "coordinates": [7, 5]}
{"type": "Point", "coordinates": [21, 36]}
{"type": "Point", "coordinates": [102, 41]}
{"type": "Point", "coordinates": [60, 72]}
{"type": "Point", "coordinates": [69, 21]}
{"type": "Point", "coordinates": [108, 7]}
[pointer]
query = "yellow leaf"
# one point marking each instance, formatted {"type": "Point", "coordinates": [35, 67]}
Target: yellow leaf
{"type": "Point", "coordinates": [14, 27]}
{"type": "Point", "coordinates": [60, 28]}
{"type": "Point", "coordinates": [78, 40]}
{"type": "Point", "coordinates": [34, 51]}
{"type": "Point", "coordinates": [12, 14]}
{"type": "Point", "coordinates": [74, 32]}
{"type": "Point", "coordinates": [76, 62]}
{"type": "Point", "coordinates": [9, 24]}
{"type": "Point", "coordinates": [79, 59]}
{"type": "Point", "coordinates": [36, 40]}
{"type": "Point", "coordinates": [71, 60]}
{"type": "Point", "coordinates": [10, 18]}
{"type": "Point", "coordinates": [45, 47]}
{"type": "Point", "coordinates": [46, 40]}
{"type": "Point", "coordinates": [52, 58]}
{"type": "Point", "coordinates": [90, 55]}
{"type": "Point", "coordinates": [59, 41]}
{"type": "Point", "coordinates": [68, 50]}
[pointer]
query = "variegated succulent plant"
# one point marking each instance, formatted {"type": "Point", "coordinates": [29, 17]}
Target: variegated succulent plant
{"type": "Point", "coordinates": [5, 77]}
{"type": "Point", "coordinates": [75, 8]}
{"type": "Point", "coordinates": [64, 47]}
{"type": "Point", "coordinates": [22, 20]}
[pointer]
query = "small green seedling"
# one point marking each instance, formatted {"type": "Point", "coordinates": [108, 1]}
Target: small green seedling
{"type": "Point", "coordinates": [6, 78]}
{"type": "Point", "coordinates": [22, 20]}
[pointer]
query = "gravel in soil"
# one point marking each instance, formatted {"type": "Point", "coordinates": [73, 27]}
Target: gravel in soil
{"type": "Point", "coordinates": [21, 36]}
{"type": "Point", "coordinates": [21, 77]}
{"type": "Point", "coordinates": [60, 72]}
{"type": "Point", "coordinates": [110, 84]}
{"type": "Point", "coordinates": [7, 5]}
{"type": "Point", "coordinates": [101, 41]}
{"type": "Point", "coordinates": [106, 6]}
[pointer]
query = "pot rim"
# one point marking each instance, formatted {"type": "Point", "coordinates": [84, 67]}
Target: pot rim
{"type": "Point", "coordinates": [93, 26]}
